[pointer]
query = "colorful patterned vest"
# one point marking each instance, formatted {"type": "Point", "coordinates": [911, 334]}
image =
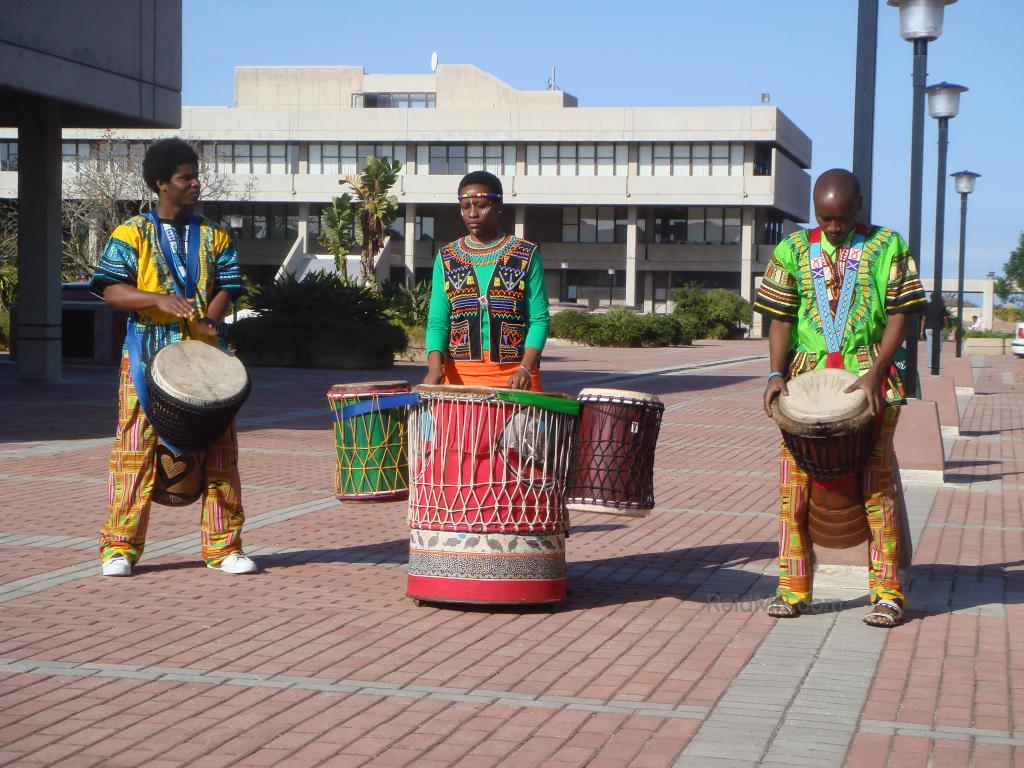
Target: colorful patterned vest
{"type": "Point", "coordinates": [504, 299]}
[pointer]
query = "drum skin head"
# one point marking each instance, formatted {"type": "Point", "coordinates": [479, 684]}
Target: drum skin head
{"type": "Point", "coordinates": [598, 393]}
{"type": "Point", "coordinates": [363, 388]}
{"type": "Point", "coordinates": [194, 371]}
{"type": "Point", "coordinates": [819, 397]}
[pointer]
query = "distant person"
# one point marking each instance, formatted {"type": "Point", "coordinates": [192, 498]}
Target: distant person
{"type": "Point", "coordinates": [144, 259]}
{"type": "Point", "coordinates": [488, 317]}
{"type": "Point", "coordinates": [822, 320]}
{"type": "Point", "coordinates": [977, 324]}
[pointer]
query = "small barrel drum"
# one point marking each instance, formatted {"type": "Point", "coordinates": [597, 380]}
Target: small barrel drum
{"type": "Point", "coordinates": [612, 468]}
{"type": "Point", "coordinates": [487, 516]}
{"type": "Point", "coordinates": [195, 390]}
{"type": "Point", "coordinates": [830, 433]}
{"type": "Point", "coordinates": [369, 432]}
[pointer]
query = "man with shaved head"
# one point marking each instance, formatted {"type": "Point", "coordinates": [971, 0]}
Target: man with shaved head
{"type": "Point", "coordinates": [838, 296]}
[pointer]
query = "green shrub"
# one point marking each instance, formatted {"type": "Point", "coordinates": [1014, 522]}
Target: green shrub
{"type": "Point", "coordinates": [726, 311]}
{"type": "Point", "coordinates": [5, 329]}
{"type": "Point", "coordinates": [1006, 313]}
{"type": "Point", "coordinates": [409, 305]}
{"type": "Point", "coordinates": [571, 324]}
{"type": "Point", "coordinates": [619, 328]}
{"type": "Point", "coordinates": [986, 334]}
{"type": "Point", "coordinates": [318, 315]}
{"type": "Point", "coordinates": [690, 299]}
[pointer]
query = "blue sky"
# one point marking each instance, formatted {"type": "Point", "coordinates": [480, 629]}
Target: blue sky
{"type": "Point", "coordinates": [682, 53]}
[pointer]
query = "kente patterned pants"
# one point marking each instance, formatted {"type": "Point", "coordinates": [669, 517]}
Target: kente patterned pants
{"type": "Point", "coordinates": [133, 474]}
{"type": "Point", "coordinates": [796, 565]}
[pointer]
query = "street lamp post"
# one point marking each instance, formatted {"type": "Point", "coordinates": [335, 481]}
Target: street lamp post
{"type": "Point", "coordinates": [920, 21]}
{"type": "Point", "coordinates": [611, 284]}
{"type": "Point", "coordinates": [964, 182]}
{"type": "Point", "coordinates": [943, 104]}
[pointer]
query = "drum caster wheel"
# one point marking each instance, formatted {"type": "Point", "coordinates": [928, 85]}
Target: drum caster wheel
{"type": "Point", "coordinates": [417, 602]}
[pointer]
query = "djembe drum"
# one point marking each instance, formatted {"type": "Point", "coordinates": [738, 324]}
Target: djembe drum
{"type": "Point", "coordinates": [830, 433]}
{"type": "Point", "coordinates": [487, 474]}
{"type": "Point", "coordinates": [612, 468]}
{"type": "Point", "coordinates": [195, 390]}
{"type": "Point", "coordinates": [369, 432]}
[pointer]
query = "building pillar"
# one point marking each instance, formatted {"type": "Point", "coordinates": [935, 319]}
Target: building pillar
{"type": "Point", "coordinates": [747, 248]}
{"type": "Point", "coordinates": [304, 226]}
{"type": "Point", "coordinates": [631, 256]}
{"type": "Point", "coordinates": [520, 226]}
{"type": "Point", "coordinates": [648, 278]}
{"type": "Point", "coordinates": [410, 242]}
{"type": "Point", "coordinates": [38, 332]}
{"type": "Point", "coordinates": [987, 303]}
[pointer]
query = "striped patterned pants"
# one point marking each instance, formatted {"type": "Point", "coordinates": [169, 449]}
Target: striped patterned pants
{"type": "Point", "coordinates": [133, 474]}
{"type": "Point", "coordinates": [796, 562]}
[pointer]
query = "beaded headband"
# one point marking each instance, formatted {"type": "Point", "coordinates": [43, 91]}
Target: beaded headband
{"type": "Point", "coordinates": [488, 195]}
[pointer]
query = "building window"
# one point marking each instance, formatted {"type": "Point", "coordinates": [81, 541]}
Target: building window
{"type": "Point", "coordinates": [587, 159]}
{"type": "Point", "coordinates": [459, 159]}
{"type": "Point", "coordinates": [394, 100]}
{"type": "Point", "coordinates": [772, 234]}
{"type": "Point", "coordinates": [593, 224]}
{"type": "Point", "coordinates": [8, 156]}
{"type": "Point", "coordinates": [261, 221]}
{"type": "Point", "coordinates": [253, 158]}
{"type": "Point", "coordinates": [350, 159]}
{"type": "Point", "coordinates": [74, 155]}
{"type": "Point", "coordinates": [684, 159]}
{"type": "Point", "coordinates": [696, 225]}
{"type": "Point", "coordinates": [762, 159]}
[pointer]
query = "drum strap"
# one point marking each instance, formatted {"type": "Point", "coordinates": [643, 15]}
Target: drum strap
{"type": "Point", "coordinates": [134, 344]}
{"type": "Point", "coordinates": [383, 404]}
{"type": "Point", "coordinates": [833, 324]}
{"type": "Point", "coordinates": [183, 287]}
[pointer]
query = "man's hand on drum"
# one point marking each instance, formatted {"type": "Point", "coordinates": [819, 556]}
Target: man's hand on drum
{"type": "Point", "coordinates": [520, 379]}
{"type": "Point", "coordinates": [174, 305]}
{"type": "Point", "coordinates": [871, 383]}
{"type": "Point", "coordinates": [204, 326]}
{"type": "Point", "coordinates": [776, 385]}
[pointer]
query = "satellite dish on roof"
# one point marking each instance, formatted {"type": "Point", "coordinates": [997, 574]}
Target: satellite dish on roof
{"type": "Point", "coordinates": [433, 62]}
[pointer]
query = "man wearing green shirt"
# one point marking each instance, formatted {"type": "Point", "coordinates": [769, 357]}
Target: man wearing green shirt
{"type": "Point", "coordinates": [838, 296]}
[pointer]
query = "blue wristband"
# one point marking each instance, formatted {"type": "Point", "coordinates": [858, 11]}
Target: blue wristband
{"type": "Point", "coordinates": [775, 373]}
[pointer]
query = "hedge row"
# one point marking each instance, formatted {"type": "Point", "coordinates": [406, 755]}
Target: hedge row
{"type": "Point", "coordinates": [621, 328]}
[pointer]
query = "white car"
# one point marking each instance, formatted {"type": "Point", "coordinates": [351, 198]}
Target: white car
{"type": "Point", "coordinates": [1018, 341]}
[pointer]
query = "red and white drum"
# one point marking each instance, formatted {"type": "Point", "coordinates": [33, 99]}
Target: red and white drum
{"type": "Point", "coordinates": [612, 468]}
{"type": "Point", "coordinates": [487, 474]}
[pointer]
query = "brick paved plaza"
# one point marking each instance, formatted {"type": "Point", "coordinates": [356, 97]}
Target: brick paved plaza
{"type": "Point", "coordinates": [661, 656]}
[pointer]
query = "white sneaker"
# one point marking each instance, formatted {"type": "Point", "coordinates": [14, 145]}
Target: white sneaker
{"type": "Point", "coordinates": [235, 563]}
{"type": "Point", "coordinates": [118, 565]}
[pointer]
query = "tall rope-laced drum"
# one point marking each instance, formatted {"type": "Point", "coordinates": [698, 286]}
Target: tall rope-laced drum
{"type": "Point", "coordinates": [369, 433]}
{"type": "Point", "coordinates": [612, 469]}
{"type": "Point", "coordinates": [830, 433]}
{"type": "Point", "coordinates": [192, 392]}
{"type": "Point", "coordinates": [487, 472]}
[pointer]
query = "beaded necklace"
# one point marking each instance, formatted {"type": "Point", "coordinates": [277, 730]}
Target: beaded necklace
{"type": "Point", "coordinates": [483, 255]}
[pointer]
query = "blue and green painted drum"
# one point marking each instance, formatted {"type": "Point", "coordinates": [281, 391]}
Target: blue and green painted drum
{"type": "Point", "coordinates": [369, 433]}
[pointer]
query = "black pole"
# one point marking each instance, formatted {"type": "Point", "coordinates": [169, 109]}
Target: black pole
{"type": "Point", "coordinates": [960, 276]}
{"type": "Point", "coordinates": [938, 318]}
{"type": "Point", "coordinates": [916, 171]}
{"type": "Point", "coordinates": [611, 284]}
{"type": "Point", "coordinates": [864, 101]}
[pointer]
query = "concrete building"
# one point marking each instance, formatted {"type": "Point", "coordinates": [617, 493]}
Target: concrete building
{"type": "Point", "coordinates": [65, 66]}
{"type": "Point", "coordinates": [625, 202]}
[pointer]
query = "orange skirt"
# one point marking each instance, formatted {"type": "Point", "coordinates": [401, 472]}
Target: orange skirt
{"type": "Point", "coordinates": [484, 373]}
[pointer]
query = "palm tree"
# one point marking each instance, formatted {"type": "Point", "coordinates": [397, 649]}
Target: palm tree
{"type": "Point", "coordinates": [375, 208]}
{"type": "Point", "coordinates": [338, 235]}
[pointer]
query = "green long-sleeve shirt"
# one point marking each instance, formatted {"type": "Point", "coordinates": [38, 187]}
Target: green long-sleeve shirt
{"type": "Point", "coordinates": [537, 320]}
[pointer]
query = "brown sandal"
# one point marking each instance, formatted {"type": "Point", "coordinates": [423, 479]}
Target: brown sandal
{"type": "Point", "coordinates": [780, 609]}
{"type": "Point", "coordinates": [885, 614]}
